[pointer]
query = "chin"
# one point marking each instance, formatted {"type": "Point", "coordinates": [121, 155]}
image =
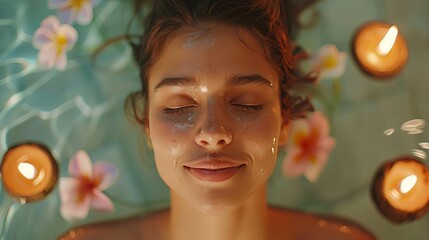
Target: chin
{"type": "Point", "coordinates": [219, 208]}
{"type": "Point", "coordinates": [219, 202]}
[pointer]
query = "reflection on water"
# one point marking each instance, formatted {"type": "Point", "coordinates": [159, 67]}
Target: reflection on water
{"type": "Point", "coordinates": [413, 126]}
{"type": "Point", "coordinates": [419, 153]}
{"type": "Point", "coordinates": [389, 131]}
{"type": "Point", "coordinates": [424, 145]}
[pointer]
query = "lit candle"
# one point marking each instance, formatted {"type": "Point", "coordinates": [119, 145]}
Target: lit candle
{"type": "Point", "coordinates": [29, 172]}
{"type": "Point", "coordinates": [401, 189]}
{"type": "Point", "coordinates": [379, 49]}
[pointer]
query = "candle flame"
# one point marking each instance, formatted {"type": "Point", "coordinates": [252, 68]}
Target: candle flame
{"type": "Point", "coordinates": [407, 184]}
{"type": "Point", "coordinates": [27, 170]}
{"type": "Point", "coordinates": [388, 40]}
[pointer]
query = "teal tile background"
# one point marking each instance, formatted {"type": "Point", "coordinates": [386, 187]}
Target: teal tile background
{"type": "Point", "coordinates": [82, 108]}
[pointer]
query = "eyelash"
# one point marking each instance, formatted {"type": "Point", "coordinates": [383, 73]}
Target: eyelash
{"type": "Point", "coordinates": [179, 110]}
{"type": "Point", "coordinates": [241, 107]}
{"type": "Point", "coordinates": [248, 108]}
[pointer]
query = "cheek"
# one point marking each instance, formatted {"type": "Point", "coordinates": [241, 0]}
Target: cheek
{"type": "Point", "coordinates": [164, 127]}
{"type": "Point", "coordinates": [260, 138]}
{"type": "Point", "coordinates": [169, 137]}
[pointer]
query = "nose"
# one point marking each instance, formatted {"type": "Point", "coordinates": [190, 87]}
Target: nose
{"type": "Point", "coordinates": [212, 134]}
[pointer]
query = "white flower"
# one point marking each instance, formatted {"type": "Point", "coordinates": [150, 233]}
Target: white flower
{"type": "Point", "coordinates": [329, 62]}
{"type": "Point", "coordinates": [74, 10]}
{"type": "Point", "coordinates": [54, 40]}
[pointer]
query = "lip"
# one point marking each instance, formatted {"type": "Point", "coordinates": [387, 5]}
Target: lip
{"type": "Point", "coordinates": [214, 170]}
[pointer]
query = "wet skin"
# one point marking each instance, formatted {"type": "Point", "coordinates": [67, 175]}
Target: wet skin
{"type": "Point", "coordinates": [214, 104]}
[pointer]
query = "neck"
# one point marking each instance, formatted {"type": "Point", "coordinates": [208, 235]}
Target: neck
{"type": "Point", "coordinates": [248, 221]}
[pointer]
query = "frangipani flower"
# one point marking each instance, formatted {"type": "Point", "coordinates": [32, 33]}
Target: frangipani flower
{"type": "Point", "coordinates": [54, 40]}
{"type": "Point", "coordinates": [308, 147]}
{"type": "Point", "coordinates": [84, 188]}
{"type": "Point", "coordinates": [71, 10]}
{"type": "Point", "coordinates": [329, 63]}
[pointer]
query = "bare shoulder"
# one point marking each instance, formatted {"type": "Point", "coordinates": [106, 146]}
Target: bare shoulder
{"type": "Point", "coordinates": [147, 226]}
{"type": "Point", "coordinates": [293, 224]}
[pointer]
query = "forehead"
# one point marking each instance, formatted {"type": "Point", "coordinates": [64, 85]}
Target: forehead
{"type": "Point", "coordinates": [214, 51]}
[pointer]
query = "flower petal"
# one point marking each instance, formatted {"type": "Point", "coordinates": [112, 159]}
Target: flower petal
{"type": "Point", "coordinates": [51, 24]}
{"type": "Point", "coordinates": [329, 62]}
{"type": "Point", "coordinates": [101, 202]}
{"type": "Point", "coordinates": [106, 173]}
{"type": "Point", "coordinates": [319, 123]}
{"type": "Point", "coordinates": [328, 50]}
{"type": "Point", "coordinates": [68, 187]}
{"type": "Point", "coordinates": [61, 61]}
{"type": "Point", "coordinates": [299, 129]}
{"type": "Point", "coordinates": [47, 55]}
{"type": "Point", "coordinates": [42, 37]}
{"type": "Point", "coordinates": [84, 16]}
{"type": "Point", "coordinates": [74, 204]}
{"type": "Point", "coordinates": [312, 172]}
{"type": "Point", "coordinates": [80, 165]}
{"type": "Point", "coordinates": [55, 4]}
{"type": "Point", "coordinates": [71, 35]}
{"type": "Point", "coordinates": [292, 166]}
{"type": "Point", "coordinates": [309, 147]}
{"type": "Point", "coordinates": [326, 144]}
{"type": "Point", "coordinates": [66, 15]}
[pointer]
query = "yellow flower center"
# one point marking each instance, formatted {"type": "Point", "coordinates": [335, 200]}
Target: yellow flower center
{"type": "Point", "coordinates": [77, 4]}
{"type": "Point", "coordinates": [61, 42]}
{"type": "Point", "coordinates": [330, 62]}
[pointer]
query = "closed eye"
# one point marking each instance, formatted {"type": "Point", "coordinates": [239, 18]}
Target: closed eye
{"type": "Point", "coordinates": [248, 107]}
{"type": "Point", "coordinates": [178, 110]}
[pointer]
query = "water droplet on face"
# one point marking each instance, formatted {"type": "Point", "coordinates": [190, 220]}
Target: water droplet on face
{"type": "Point", "coordinates": [203, 89]}
{"type": "Point", "coordinates": [273, 148]}
{"type": "Point", "coordinates": [174, 149]}
{"type": "Point", "coordinates": [191, 119]}
{"type": "Point", "coordinates": [175, 152]}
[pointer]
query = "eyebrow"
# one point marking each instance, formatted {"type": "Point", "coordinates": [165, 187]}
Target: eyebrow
{"type": "Point", "coordinates": [248, 79]}
{"type": "Point", "coordinates": [175, 81]}
{"type": "Point", "coordinates": [235, 80]}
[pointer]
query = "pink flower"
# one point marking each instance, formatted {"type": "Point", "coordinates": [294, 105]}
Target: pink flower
{"type": "Point", "coordinates": [308, 147]}
{"type": "Point", "coordinates": [84, 188]}
{"type": "Point", "coordinates": [329, 62]}
{"type": "Point", "coordinates": [54, 40]}
{"type": "Point", "coordinates": [71, 10]}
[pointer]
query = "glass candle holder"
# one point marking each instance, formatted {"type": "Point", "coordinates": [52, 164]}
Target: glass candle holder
{"type": "Point", "coordinates": [28, 172]}
{"type": "Point", "coordinates": [400, 189]}
{"type": "Point", "coordinates": [379, 49]}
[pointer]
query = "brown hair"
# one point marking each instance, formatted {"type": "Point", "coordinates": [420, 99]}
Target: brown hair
{"type": "Point", "coordinates": [266, 19]}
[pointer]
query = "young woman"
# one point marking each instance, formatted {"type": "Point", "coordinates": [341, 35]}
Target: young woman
{"type": "Point", "coordinates": [216, 78]}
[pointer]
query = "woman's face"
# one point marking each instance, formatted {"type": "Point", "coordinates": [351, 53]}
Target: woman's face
{"type": "Point", "coordinates": [214, 116]}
